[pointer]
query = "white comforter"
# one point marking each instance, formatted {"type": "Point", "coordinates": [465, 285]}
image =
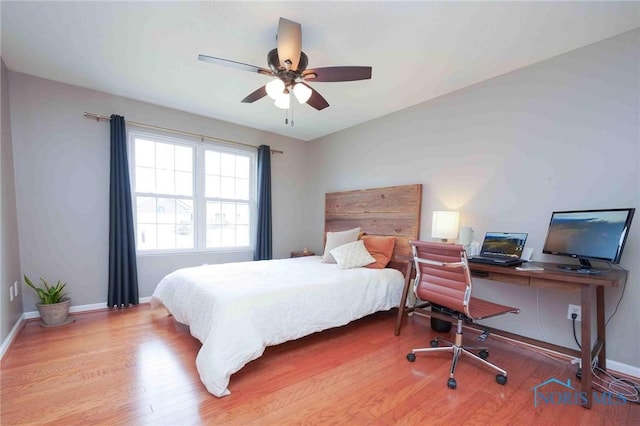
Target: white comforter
{"type": "Point", "coordinates": [237, 309]}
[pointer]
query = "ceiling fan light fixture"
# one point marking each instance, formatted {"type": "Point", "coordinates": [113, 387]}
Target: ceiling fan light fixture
{"type": "Point", "coordinates": [283, 101]}
{"type": "Point", "coordinates": [302, 92]}
{"type": "Point", "coordinates": [275, 88]}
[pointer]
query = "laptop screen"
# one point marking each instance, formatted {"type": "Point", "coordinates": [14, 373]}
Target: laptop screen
{"type": "Point", "coordinates": [503, 244]}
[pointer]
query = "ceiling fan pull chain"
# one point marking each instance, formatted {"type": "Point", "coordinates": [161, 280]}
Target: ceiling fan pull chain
{"type": "Point", "coordinates": [291, 103]}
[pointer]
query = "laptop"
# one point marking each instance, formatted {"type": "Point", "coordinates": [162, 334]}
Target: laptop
{"type": "Point", "coordinates": [501, 248]}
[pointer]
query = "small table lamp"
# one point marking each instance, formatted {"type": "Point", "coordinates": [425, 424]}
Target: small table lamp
{"type": "Point", "coordinates": [445, 225]}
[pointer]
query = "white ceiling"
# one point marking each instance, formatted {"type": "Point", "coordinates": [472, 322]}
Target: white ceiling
{"type": "Point", "coordinates": [418, 50]}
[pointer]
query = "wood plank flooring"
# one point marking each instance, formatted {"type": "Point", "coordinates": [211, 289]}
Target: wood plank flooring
{"type": "Point", "coordinates": [136, 366]}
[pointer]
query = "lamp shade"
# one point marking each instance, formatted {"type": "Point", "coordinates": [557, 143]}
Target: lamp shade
{"type": "Point", "coordinates": [445, 225]}
{"type": "Point", "coordinates": [275, 88]}
{"type": "Point", "coordinates": [302, 92]}
{"type": "Point", "coordinates": [283, 101]}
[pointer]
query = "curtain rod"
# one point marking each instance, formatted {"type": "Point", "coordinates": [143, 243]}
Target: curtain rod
{"type": "Point", "coordinates": [176, 132]}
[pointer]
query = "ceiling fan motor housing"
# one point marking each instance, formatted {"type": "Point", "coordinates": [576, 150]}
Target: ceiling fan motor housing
{"type": "Point", "coordinates": [274, 63]}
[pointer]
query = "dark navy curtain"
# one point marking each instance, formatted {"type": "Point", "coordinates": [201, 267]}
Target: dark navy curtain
{"type": "Point", "coordinates": [263, 240]}
{"type": "Point", "coordinates": [123, 274]}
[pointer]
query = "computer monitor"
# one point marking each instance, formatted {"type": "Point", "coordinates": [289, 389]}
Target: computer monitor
{"type": "Point", "coordinates": [588, 235]}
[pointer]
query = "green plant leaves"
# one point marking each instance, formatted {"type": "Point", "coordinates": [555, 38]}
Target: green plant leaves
{"type": "Point", "coordinates": [48, 294]}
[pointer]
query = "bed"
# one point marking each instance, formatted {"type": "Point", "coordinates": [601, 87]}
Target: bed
{"type": "Point", "coordinates": [238, 309]}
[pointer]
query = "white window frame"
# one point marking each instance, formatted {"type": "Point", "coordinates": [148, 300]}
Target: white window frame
{"type": "Point", "coordinates": [199, 199]}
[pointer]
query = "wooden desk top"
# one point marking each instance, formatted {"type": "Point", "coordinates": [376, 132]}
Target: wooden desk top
{"type": "Point", "coordinates": [551, 274]}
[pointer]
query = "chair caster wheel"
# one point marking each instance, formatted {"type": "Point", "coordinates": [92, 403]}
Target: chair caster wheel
{"type": "Point", "coordinates": [411, 357]}
{"type": "Point", "coordinates": [484, 354]}
{"type": "Point", "coordinates": [501, 379]}
{"type": "Point", "coordinates": [434, 343]}
{"type": "Point", "coordinates": [452, 384]}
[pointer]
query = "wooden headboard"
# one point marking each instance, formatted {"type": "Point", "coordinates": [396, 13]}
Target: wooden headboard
{"type": "Point", "coordinates": [394, 210]}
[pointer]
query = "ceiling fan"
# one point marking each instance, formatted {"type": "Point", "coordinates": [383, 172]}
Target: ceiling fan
{"type": "Point", "coordinates": [288, 63]}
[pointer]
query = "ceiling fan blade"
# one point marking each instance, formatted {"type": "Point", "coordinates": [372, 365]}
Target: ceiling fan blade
{"type": "Point", "coordinates": [234, 64]}
{"type": "Point", "coordinates": [289, 46]}
{"type": "Point", "coordinates": [338, 74]}
{"type": "Point", "coordinates": [316, 100]}
{"type": "Point", "coordinates": [254, 96]}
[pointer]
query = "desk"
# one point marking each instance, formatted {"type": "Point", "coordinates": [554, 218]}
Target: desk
{"type": "Point", "coordinates": [552, 277]}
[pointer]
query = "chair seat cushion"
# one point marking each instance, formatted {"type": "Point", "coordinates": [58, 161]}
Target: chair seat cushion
{"type": "Point", "coordinates": [479, 309]}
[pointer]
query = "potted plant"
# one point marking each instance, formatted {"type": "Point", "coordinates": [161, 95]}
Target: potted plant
{"type": "Point", "coordinates": [54, 303]}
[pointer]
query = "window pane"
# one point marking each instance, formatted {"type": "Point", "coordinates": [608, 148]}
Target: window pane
{"type": "Point", "coordinates": [228, 213]}
{"type": "Point", "coordinates": [242, 167]}
{"type": "Point", "coordinates": [212, 163]}
{"type": "Point", "coordinates": [184, 237]}
{"type": "Point", "coordinates": [164, 156]}
{"type": "Point", "coordinates": [145, 153]}
{"type": "Point", "coordinates": [212, 186]}
{"type": "Point", "coordinates": [166, 210]}
{"type": "Point", "coordinates": [227, 164]}
{"type": "Point", "coordinates": [242, 235]}
{"type": "Point", "coordinates": [242, 211]}
{"type": "Point", "coordinates": [165, 183]}
{"type": "Point", "coordinates": [184, 158]}
{"type": "Point", "coordinates": [242, 189]}
{"type": "Point", "coordinates": [166, 236]}
{"type": "Point", "coordinates": [184, 212]}
{"type": "Point", "coordinates": [146, 237]}
{"type": "Point", "coordinates": [227, 187]}
{"type": "Point", "coordinates": [184, 183]}
{"type": "Point", "coordinates": [145, 179]}
{"type": "Point", "coordinates": [146, 210]}
{"type": "Point", "coordinates": [213, 213]}
{"type": "Point", "coordinates": [213, 236]}
{"type": "Point", "coordinates": [228, 236]}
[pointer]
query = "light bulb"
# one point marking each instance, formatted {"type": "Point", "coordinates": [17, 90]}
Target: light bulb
{"type": "Point", "coordinates": [302, 92]}
{"type": "Point", "coordinates": [275, 88]}
{"type": "Point", "coordinates": [283, 101]}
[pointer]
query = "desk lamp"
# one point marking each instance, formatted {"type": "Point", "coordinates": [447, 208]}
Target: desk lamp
{"type": "Point", "coordinates": [445, 225]}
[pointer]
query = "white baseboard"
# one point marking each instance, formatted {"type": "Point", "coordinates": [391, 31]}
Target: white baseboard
{"type": "Point", "coordinates": [81, 308]}
{"type": "Point", "coordinates": [626, 369]}
{"type": "Point", "coordinates": [11, 336]}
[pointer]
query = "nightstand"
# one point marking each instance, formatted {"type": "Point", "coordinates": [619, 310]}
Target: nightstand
{"type": "Point", "coordinates": [302, 253]}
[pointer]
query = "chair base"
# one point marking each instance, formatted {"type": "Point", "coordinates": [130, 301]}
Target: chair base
{"type": "Point", "coordinates": [457, 350]}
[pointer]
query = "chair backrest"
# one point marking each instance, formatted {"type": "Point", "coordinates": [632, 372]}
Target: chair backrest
{"type": "Point", "coordinates": [442, 275]}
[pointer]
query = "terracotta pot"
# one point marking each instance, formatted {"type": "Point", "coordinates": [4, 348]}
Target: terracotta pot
{"type": "Point", "coordinates": [55, 313]}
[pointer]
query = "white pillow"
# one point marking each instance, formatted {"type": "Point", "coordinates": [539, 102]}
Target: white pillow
{"type": "Point", "coordinates": [336, 239]}
{"type": "Point", "coordinates": [352, 255]}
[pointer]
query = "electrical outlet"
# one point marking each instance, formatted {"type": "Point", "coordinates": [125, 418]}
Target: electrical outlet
{"type": "Point", "coordinates": [575, 309]}
{"type": "Point", "coordinates": [11, 293]}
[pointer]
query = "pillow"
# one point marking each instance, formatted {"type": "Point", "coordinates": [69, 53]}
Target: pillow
{"type": "Point", "coordinates": [380, 248]}
{"type": "Point", "coordinates": [352, 255]}
{"type": "Point", "coordinates": [336, 239]}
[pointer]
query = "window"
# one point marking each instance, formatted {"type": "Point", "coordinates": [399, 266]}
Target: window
{"type": "Point", "coordinates": [191, 196]}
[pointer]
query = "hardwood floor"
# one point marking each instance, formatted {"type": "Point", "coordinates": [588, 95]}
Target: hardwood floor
{"type": "Point", "coordinates": [137, 366]}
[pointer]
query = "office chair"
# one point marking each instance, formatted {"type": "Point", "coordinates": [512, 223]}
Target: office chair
{"type": "Point", "coordinates": [443, 279]}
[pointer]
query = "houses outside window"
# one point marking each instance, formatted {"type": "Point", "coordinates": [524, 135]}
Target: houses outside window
{"type": "Point", "coordinates": [190, 196]}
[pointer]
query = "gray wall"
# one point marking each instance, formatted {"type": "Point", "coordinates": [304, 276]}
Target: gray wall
{"type": "Point", "coordinates": [10, 311]}
{"type": "Point", "coordinates": [62, 184]}
{"type": "Point", "coordinates": [561, 134]}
